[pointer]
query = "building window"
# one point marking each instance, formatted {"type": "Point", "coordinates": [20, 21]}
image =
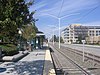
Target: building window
{"type": "Point", "coordinates": [97, 32]}
{"type": "Point", "coordinates": [92, 34]}
{"type": "Point", "coordinates": [92, 31]}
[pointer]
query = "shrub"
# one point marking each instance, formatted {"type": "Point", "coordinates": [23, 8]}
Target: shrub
{"type": "Point", "coordinates": [9, 49]}
{"type": "Point", "coordinates": [10, 52]}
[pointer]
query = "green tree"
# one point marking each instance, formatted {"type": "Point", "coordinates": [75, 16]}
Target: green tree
{"type": "Point", "coordinates": [56, 38]}
{"type": "Point", "coordinates": [80, 39]}
{"type": "Point", "coordinates": [61, 40]}
{"type": "Point", "coordinates": [13, 15]}
{"type": "Point", "coordinates": [29, 31]}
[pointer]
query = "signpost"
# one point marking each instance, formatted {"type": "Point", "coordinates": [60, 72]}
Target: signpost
{"type": "Point", "coordinates": [83, 41]}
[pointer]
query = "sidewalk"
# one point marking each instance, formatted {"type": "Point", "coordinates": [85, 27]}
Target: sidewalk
{"type": "Point", "coordinates": [32, 64]}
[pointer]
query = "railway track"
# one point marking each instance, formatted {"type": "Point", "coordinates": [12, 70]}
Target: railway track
{"type": "Point", "coordinates": [87, 55]}
{"type": "Point", "coordinates": [65, 65]}
{"type": "Point", "coordinates": [91, 62]}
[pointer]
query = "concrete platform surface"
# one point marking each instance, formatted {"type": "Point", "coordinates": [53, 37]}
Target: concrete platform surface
{"type": "Point", "coordinates": [32, 64]}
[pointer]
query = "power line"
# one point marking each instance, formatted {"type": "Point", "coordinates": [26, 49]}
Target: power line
{"type": "Point", "coordinates": [61, 8]}
{"type": "Point", "coordinates": [88, 13]}
{"type": "Point", "coordinates": [85, 16]}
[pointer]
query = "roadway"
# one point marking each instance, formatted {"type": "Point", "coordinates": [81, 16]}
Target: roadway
{"type": "Point", "coordinates": [92, 49]}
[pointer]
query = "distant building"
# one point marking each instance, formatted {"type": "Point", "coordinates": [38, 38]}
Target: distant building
{"type": "Point", "coordinates": [93, 40]}
{"type": "Point", "coordinates": [93, 35]}
{"type": "Point", "coordinates": [74, 33]}
{"type": "Point", "coordinates": [93, 30]}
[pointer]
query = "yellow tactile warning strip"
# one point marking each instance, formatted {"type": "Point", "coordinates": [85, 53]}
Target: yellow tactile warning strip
{"type": "Point", "coordinates": [48, 58]}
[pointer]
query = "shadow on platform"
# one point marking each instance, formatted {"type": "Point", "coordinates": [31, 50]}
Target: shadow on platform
{"type": "Point", "coordinates": [29, 67]}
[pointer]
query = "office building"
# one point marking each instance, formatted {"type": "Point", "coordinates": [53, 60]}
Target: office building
{"type": "Point", "coordinates": [74, 33]}
{"type": "Point", "coordinates": [93, 35]}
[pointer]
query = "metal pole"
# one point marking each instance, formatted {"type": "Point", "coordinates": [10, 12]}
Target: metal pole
{"type": "Point", "coordinates": [53, 37]}
{"type": "Point", "coordinates": [93, 59]}
{"type": "Point", "coordinates": [48, 39]}
{"type": "Point", "coordinates": [20, 43]}
{"type": "Point", "coordinates": [83, 51]}
{"type": "Point", "coordinates": [59, 32]}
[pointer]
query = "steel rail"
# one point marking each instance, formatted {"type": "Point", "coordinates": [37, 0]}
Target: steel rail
{"type": "Point", "coordinates": [75, 64]}
{"type": "Point", "coordinates": [90, 56]}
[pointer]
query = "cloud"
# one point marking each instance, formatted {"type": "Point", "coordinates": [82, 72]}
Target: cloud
{"type": "Point", "coordinates": [69, 7]}
{"type": "Point", "coordinates": [38, 5]}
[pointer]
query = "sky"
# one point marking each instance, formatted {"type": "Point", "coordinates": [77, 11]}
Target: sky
{"type": "Point", "coordinates": [85, 12]}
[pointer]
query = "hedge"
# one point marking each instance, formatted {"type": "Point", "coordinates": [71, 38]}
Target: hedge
{"type": "Point", "coordinates": [9, 49]}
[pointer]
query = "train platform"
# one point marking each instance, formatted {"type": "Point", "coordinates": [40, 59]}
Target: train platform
{"type": "Point", "coordinates": [37, 62]}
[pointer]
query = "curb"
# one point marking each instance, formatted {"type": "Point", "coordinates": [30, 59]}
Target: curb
{"type": "Point", "coordinates": [14, 58]}
{"type": "Point", "coordinates": [48, 65]}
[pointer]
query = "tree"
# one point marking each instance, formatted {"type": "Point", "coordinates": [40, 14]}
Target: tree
{"type": "Point", "coordinates": [29, 31]}
{"type": "Point", "coordinates": [56, 39]}
{"type": "Point", "coordinates": [80, 39]}
{"type": "Point", "coordinates": [61, 40]}
{"type": "Point", "coordinates": [13, 15]}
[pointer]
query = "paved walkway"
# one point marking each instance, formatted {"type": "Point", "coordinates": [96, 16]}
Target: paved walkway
{"type": "Point", "coordinates": [32, 64]}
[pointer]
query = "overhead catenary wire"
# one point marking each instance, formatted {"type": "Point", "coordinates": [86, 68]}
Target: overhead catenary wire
{"type": "Point", "coordinates": [90, 11]}
{"type": "Point", "coordinates": [61, 8]}
{"type": "Point", "coordinates": [87, 13]}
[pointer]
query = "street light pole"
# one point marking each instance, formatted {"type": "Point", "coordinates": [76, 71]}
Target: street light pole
{"type": "Point", "coordinates": [53, 37]}
{"type": "Point", "coordinates": [59, 32]}
{"type": "Point", "coordinates": [83, 41]}
{"type": "Point", "coordinates": [20, 33]}
{"type": "Point", "coordinates": [59, 19]}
